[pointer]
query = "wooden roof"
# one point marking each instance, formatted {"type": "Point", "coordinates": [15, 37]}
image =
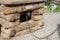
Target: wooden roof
{"type": "Point", "coordinates": [9, 2]}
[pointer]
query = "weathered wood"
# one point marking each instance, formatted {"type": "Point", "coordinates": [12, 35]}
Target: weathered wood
{"type": "Point", "coordinates": [25, 25]}
{"type": "Point", "coordinates": [9, 10]}
{"type": "Point", "coordinates": [37, 17]}
{"type": "Point", "coordinates": [7, 2]}
{"type": "Point", "coordinates": [41, 11]}
{"type": "Point", "coordinates": [26, 31]}
{"type": "Point", "coordinates": [40, 22]}
{"type": "Point", "coordinates": [17, 16]}
{"type": "Point", "coordinates": [7, 24]}
{"type": "Point", "coordinates": [38, 12]}
{"type": "Point", "coordinates": [11, 17]}
{"type": "Point", "coordinates": [4, 36]}
{"type": "Point", "coordinates": [9, 32]}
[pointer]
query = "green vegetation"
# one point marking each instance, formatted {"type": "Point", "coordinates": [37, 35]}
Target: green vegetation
{"type": "Point", "coordinates": [47, 2]}
{"type": "Point", "coordinates": [49, 6]}
{"type": "Point", "coordinates": [56, 10]}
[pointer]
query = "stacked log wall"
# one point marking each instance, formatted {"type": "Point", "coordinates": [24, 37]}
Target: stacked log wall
{"type": "Point", "coordinates": [20, 17]}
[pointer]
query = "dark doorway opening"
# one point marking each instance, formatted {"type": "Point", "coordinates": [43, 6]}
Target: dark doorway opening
{"type": "Point", "coordinates": [25, 16]}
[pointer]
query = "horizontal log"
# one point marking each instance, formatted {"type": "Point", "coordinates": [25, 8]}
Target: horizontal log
{"type": "Point", "coordinates": [17, 16]}
{"type": "Point", "coordinates": [7, 24]}
{"type": "Point", "coordinates": [33, 29]}
{"type": "Point", "coordinates": [11, 17]}
{"type": "Point", "coordinates": [37, 17]}
{"type": "Point", "coordinates": [4, 36]}
{"type": "Point", "coordinates": [40, 22]}
{"type": "Point", "coordinates": [28, 31]}
{"type": "Point", "coordinates": [9, 10]}
{"type": "Point", "coordinates": [7, 2]}
{"type": "Point", "coordinates": [9, 32]}
{"type": "Point", "coordinates": [38, 12]}
{"type": "Point", "coordinates": [16, 9]}
{"type": "Point", "coordinates": [25, 25]}
{"type": "Point", "coordinates": [41, 11]}
{"type": "Point", "coordinates": [33, 6]}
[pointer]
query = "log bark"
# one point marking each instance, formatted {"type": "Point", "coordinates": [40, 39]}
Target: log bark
{"type": "Point", "coordinates": [11, 17]}
{"type": "Point", "coordinates": [41, 11]}
{"type": "Point", "coordinates": [30, 30]}
{"type": "Point", "coordinates": [4, 36]}
{"type": "Point", "coordinates": [8, 35]}
{"type": "Point", "coordinates": [38, 12]}
{"type": "Point", "coordinates": [37, 17]}
{"type": "Point", "coordinates": [17, 16]}
{"type": "Point", "coordinates": [25, 25]}
{"type": "Point", "coordinates": [9, 10]}
{"type": "Point", "coordinates": [9, 32]}
{"type": "Point", "coordinates": [7, 2]}
{"type": "Point", "coordinates": [7, 24]}
{"type": "Point", "coordinates": [40, 22]}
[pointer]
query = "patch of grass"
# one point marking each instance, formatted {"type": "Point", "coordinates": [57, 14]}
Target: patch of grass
{"type": "Point", "coordinates": [48, 7]}
{"type": "Point", "coordinates": [56, 10]}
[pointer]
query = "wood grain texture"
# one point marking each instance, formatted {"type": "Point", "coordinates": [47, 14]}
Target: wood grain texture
{"type": "Point", "coordinates": [8, 32]}
{"type": "Point", "coordinates": [38, 11]}
{"type": "Point", "coordinates": [7, 2]}
{"type": "Point", "coordinates": [32, 29]}
{"type": "Point", "coordinates": [24, 25]}
{"type": "Point", "coordinates": [11, 17]}
{"type": "Point", "coordinates": [7, 24]}
{"type": "Point", "coordinates": [16, 9]}
{"type": "Point", "coordinates": [37, 17]}
{"type": "Point", "coordinates": [23, 32]}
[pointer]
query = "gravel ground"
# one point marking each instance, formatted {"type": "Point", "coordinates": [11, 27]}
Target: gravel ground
{"type": "Point", "coordinates": [50, 30]}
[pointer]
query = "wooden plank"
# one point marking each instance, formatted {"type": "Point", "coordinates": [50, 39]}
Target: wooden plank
{"type": "Point", "coordinates": [7, 2]}
{"type": "Point", "coordinates": [38, 12]}
{"type": "Point", "coordinates": [11, 17]}
{"type": "Point", "coordinates": [7, 24]}
{"type": "Point", "coordinates": [37, 17]}
{"type": "Point", "coordinates": [7, 33]}
{"type": "Point", "coordinates": [28, 30]}
{"type": "Point", "coordinates": [4, 36]}
{"type": "Point", "coordinates": [16, 9]}
{"type": "Point", "coordinates": [24, 26]}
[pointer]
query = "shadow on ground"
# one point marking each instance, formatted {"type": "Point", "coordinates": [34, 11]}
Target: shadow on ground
{"type": "Point", "coordinates": [0, 29]}
{"type": "Point", "coordinates": [58, 29]}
